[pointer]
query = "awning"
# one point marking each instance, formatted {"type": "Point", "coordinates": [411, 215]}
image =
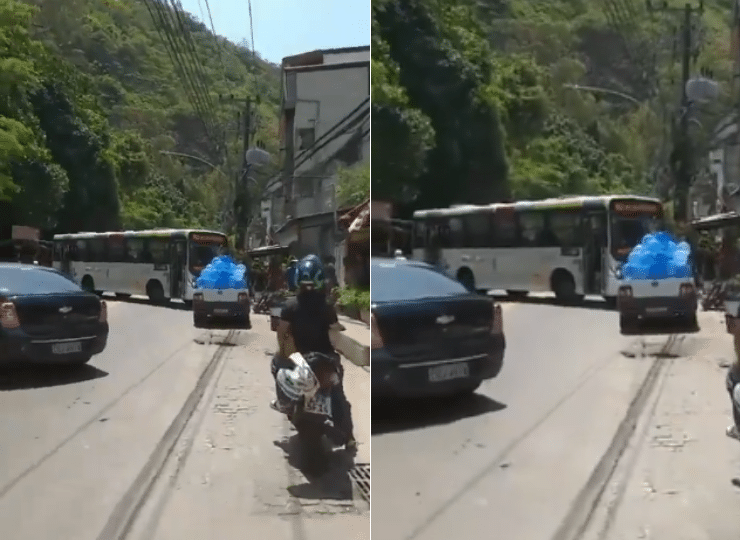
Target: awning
{"type": "Point", "coordinates": [357, 218]}
{"type": "Point", "coordinates": [718, 221]}
{"type": "Point", "coordinates": [266, 251]}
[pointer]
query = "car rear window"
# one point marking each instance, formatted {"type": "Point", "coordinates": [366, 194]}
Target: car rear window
{"type": "Point", "coordinates": [28, 280]}
{"type": "Point", "coordinates": [395, 282]}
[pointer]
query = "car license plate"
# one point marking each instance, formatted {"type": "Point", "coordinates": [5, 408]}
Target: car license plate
{"type": "Point", "coordinates": [449, 372]}
{"type": "Point", "coordinates": [656, 310]}
{"type": "Point", "coordinates": [319, 404]}
{"type": "Point", "coordinates": [66, 348]}
{"type": "Point", "coordinates": [221, 311]}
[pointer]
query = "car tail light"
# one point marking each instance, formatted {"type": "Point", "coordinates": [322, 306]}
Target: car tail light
{"type": "Point", "coordinates": [198, 297]}
{"type": "Point", "coordinates": [243, 297]}
{"type": "Point", "coordinates": [8, 316]}
{"type": "Point", "coordinates": [625, 292]}
{"type": "Point", "coordinates": [376, 340]}
{"type": "Point", "coordinates": [687, 289]}
{"type": "Point", "coordinates": [103, 317]}
{"type": "Point", "coordinates": [497, 327]}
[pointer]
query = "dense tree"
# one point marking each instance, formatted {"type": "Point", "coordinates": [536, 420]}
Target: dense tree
{"type": "Point", "coordinates": [479, 100]}
{"type": "Point", "coordinates": [92, 108]}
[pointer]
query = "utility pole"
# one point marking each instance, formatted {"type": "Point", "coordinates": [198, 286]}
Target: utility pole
{"type": "Point", "coordinates": [681, 157]}
{"type": "Point", "coordinates": [241, 188]}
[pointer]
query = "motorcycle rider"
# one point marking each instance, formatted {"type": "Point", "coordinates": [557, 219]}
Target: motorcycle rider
{"type": "Point", "coordinates": [308, 318]}
{"type": "Point", "coordinates": [291, 274]}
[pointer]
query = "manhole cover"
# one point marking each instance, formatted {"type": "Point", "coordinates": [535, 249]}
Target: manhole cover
{"type": "Point", "coordinates": [360, 476]}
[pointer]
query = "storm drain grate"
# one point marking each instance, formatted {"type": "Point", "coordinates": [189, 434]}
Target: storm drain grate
{"type": "Point", "coordinates": [360, 476]}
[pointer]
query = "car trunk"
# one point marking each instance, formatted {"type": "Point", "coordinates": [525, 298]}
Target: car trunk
{"type": "Point", "coordinates": [67, 315]}
{"type": "Point", "coordinates": [435, 328]}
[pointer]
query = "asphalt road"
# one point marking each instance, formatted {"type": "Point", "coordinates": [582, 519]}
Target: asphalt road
{"type": "Point", "coordinates": [512, 460]}
{"type": "Point", "coordinates": [74, 442]}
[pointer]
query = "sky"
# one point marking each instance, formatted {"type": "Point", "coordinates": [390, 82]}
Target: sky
{"type": "Point", "coordinates": [287, 27]}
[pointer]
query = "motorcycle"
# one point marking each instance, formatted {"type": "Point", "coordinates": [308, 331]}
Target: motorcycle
{"type": "Point", "coordinates": [305, 398]}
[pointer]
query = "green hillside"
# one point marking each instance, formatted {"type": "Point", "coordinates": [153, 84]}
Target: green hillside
{"type": "Point", "coordinates": [92, 103]}
{"type": "Point", "coordinates": [474, 100]}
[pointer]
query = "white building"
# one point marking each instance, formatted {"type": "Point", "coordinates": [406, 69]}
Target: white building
{"type": "Point", "coordinates": [325, 125]}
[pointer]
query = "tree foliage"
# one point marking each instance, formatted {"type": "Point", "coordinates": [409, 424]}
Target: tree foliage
{"type": "Point", "coordinates": [495, 86]}
{"type": "Point", "coordinates": [92, 109]}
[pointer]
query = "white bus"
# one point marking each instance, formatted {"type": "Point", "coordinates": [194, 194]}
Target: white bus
{"type": "Point", "coordinates": [571, 246]}
{"type": "Point", "coordinates": [161, 264]}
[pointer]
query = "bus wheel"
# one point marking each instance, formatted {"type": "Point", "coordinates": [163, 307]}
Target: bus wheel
{"type": "Point", "coordinates": [88, 284]}
{"type": "Point", "coordinates": [465, 277]}
{"type": "Point", "coordinates": [564, 286]}
{"type": "Point", "coordinates": [155, 292]}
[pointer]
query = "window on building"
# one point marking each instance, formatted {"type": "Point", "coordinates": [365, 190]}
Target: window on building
{"type": "Point", "coordinates": [306, 138]}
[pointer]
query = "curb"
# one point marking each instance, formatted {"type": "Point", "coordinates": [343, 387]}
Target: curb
{"type": "Point", "coordinates": [353, 350]}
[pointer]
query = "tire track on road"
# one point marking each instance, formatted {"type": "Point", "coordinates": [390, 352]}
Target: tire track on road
{"type": "Point", "coordinates": [493, 465]}
{"type": "Point", "coordinates": [33, 467]}
{"type": "Point", "coordinates": [584, 506]}
{"type": "Point", "coordinates": [126, 511]}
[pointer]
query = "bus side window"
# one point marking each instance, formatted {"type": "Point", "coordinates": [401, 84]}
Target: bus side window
{"type": "Point", "coordinates": [116, 249]}
{"type": "Point", "coordinates": [532, 226]}
{"type": "Point", "coordinates": [97, 251]}
{"type": "Point", "coordinates": [478, 230]}
{"type": "Point", "coordinates": [456, 236]}
{"type": "Point", "coordinates": [505, 230]}
{"type": "Point", "coordinates": [566, 226]}
{"type": "Point", "coordinates": [158, 250]}
{"type": "Point", "coordinates": [79, 251]}
{"type": "Point", "coordinates": [135, 250]}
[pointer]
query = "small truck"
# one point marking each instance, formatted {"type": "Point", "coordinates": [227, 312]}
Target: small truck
{"type": "Point", "coordinates": [668, 299]}
{"type": "Point", "coordinates": [227, 305]}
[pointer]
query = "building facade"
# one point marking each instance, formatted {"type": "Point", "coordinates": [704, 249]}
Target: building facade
{"type": "Point", "coordinates": [325, 125]}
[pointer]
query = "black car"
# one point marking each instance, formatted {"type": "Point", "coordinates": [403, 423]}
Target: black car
{"type": "Point", "coordinates": [45, 317]}
{"type": "Point", "coordinates": [430, 335]}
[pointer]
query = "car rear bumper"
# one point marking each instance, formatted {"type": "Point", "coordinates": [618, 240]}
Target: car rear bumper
{"type": "Point", "coordinates": [225, 310]}
{"type": "Point", "coordinates": [392, 376]}
{"type": "Point", "coordinates": [18, 347]}
{"type": "Point", "coordinates": [660, 307]}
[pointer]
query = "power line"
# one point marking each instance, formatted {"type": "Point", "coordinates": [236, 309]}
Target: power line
{"type": "Point", "coordinates": [334, 137]}
{"type": "Point", "coordinates": [326, 134]}
{"type": "Point", "coordinates": [162, 24]}
{"type": "Point", "coordinates": [219, 45]}
{"type": "Point", "coordinates": [172, 51]}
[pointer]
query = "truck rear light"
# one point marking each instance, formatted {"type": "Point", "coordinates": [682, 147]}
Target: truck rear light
{"type": "Point", "coordinates": [198, 297]}
{"type": "Point", "coordinates": [243, 298]}
{"type": "Point", "coordinates": [9, 316]}
{"type": "Point", "coordinates": [103, 317]}
{"type": "Point", "coordinates": [376, 340]}
{"type": "Point", "coordinates": [625, 291]}
{"type": "Point", "coordinates": [687, 289]}
{"type": "Point", "coordinates": [497, 326]}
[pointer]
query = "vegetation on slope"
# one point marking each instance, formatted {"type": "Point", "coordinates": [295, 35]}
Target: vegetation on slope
{"type": "Point", "coordinates": [92, 107]}
{"type": "Point", "coordinates": [476, 101]}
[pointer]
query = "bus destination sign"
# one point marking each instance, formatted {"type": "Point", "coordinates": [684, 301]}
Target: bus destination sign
{"type": "Point", "coordinates": [632, 208]}
{"type": "Point", "coordinates": [209, 239]}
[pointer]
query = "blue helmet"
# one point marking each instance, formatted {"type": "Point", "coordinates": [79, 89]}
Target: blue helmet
{"type": "Point", "coordinates": [310, 272]}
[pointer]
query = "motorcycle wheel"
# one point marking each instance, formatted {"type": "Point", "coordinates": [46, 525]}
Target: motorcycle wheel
{"type": "Point", "coordinates": [314, 458]}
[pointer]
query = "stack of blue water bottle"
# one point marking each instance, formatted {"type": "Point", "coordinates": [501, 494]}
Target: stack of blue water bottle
{"type": "Point", "coordinates": [222, 273]}
{"type": "Point", "coordinates": [658, 256]}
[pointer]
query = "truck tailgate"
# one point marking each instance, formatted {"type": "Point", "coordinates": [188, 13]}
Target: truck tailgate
{"type": "Point", "coordinates": [646, 288]}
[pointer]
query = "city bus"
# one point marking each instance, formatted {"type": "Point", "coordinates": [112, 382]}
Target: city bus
{"type": "Point", "coordinates": [161, 264]}
{"type": "Point", "coordinates": [572, 246]}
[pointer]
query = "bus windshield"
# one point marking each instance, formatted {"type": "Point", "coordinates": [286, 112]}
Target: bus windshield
{"type": "Point", "coordinates": [203, 249]}
{"type": "Point", "coordinates": [630, 222]}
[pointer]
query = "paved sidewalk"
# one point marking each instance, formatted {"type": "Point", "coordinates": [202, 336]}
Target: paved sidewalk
{"type": "Point", "coordinates": [354, 341]}
{"type": "Point", "coordinates": [675, 480]}
{"type": "Point", "coordinates": [235, 474]}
